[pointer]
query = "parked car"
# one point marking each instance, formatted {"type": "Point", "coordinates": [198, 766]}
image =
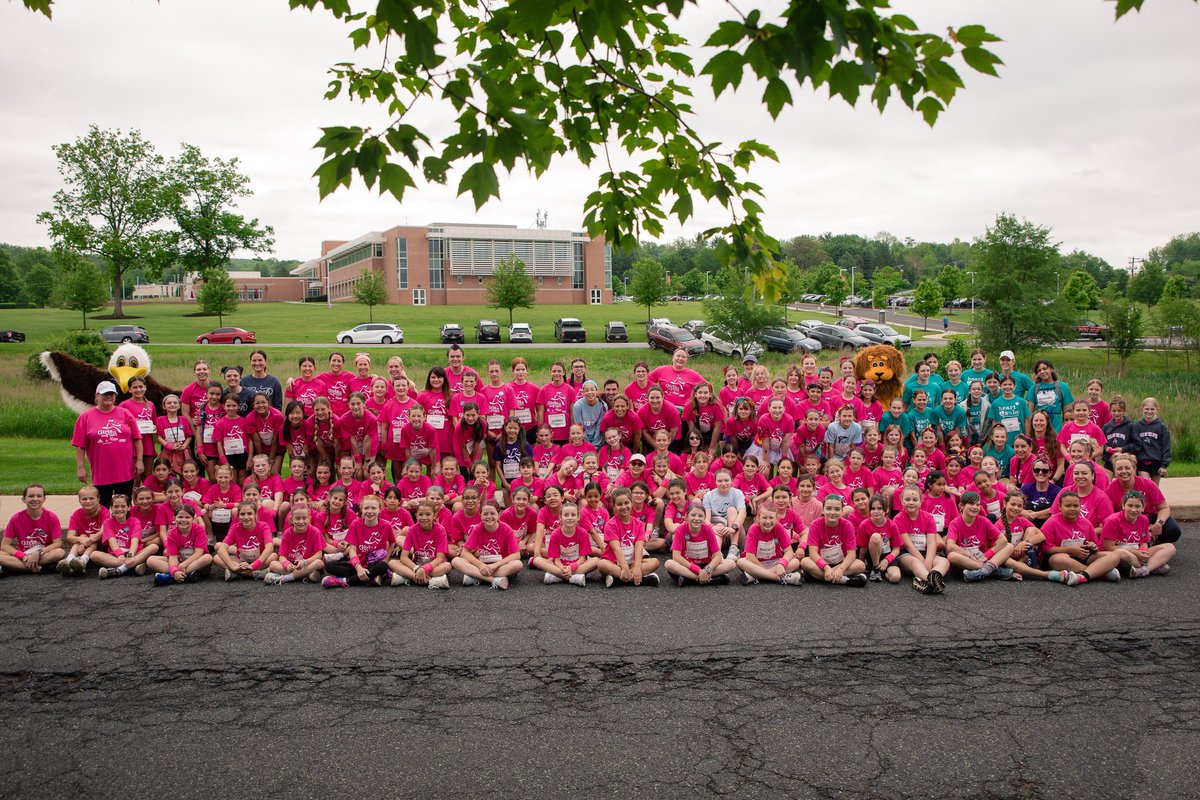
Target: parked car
{"type": "Point", "coordinates": [659, 321]}
{"type": "Point", "coordinates": [834, 338]}
{"type": "Point", "coordinates": [569, 329]}
{"type": "Point", "coordinates": [488, 330]}
{"type": "Point", "coordinates": [9, 335]}
{"type": "Point", "coordinates": [787, 340]}
{"type": "Point", "coordinates": [124, 334]}
{"type": "Point", "coordinates": [856, 300]}
{"type": "Point", "coordinates": [520, 332]}
{"type": "Point", "coordinates": [372, 333]}
{"type": "Point", "coordinates": [716, 341]}
{"type": "Point", "coordinates": [693, 325]}
{"type": "Point", "coordinates": [227, 336]}
{"type": "Point", "coordinates": [879, 333]}
{"type": "Point", "coordinates": [851, 322]}
{"type": "Point", "coordinates": [452, 333]}
{"type": "Point", "coordinates": [672, 337]}
{"type": "Point", "coordinates": [614, 331]}
{"type": "Point", "coordinates": [807, 324]}
{"type": "Point", "coordinates": [1087, 329]}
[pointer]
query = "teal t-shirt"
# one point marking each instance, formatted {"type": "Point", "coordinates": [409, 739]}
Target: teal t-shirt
{"type": "Point", "coordinates": [1023, 382]}
{"type": "Point", "coordinates": [1051, 398]}
{"type": "Point", "coordinates": [933, 390]}
{"type": "Point", "coordinates": [970, 376]}
{"type": "Point", "coordinates": [948, 421]}
{"type": "Point", "coordinates": [1002, 456]}
{"type": "Point", "coordinates": [960, 389]}
{"type": "Point", "coordinates": [888, 419]}
{"type": "Point", "coordinates": [1009, 413]}
{"type": "Point", "coordinates": [975, 415]}
{"type": "Point", "coordinates": [919, 420]}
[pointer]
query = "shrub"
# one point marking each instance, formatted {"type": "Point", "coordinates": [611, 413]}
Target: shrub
{"type": "Point", "coordinates": [958, 348]}
{"type": "Point", "coordinates": [87, 346]}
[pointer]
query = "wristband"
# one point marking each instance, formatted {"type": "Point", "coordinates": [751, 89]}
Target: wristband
{"type": "Point", "coordinates": [991, 551]}
{"type": "Point", "coordinates": [891, 556]}
{"type": "Point", "coordinates": [20, 554]}
{"type": "Point", "coordinates": [694, 568]}
{"type": "Point", "coordinates": [822, 563]}
{"type": "Point", "coordinates": [256, 564]}
{"type": "Point", "coordinates": [428, 567]}
{"type": "Point", "coordinates": [118, 552]}
{"type": "Point", "coordinates": [354, 560]}
{"type": "Point", "coordinates": [173, 569]}
{"type": "Point", "coordinates": [286, 564]}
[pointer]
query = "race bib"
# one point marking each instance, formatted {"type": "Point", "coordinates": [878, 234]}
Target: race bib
{"type": "Point", "coordinates": [511, 470]}
{"type": "Point", "coordinates": [186, 552]}
{"type": "Point", "coordinates": [420, 452]}
{"type": "Point", "coordinates": [832, 553]}
{"type": "Point", "coordinates": [490, 558]}
{"type": "Point", "coordinates": [396, 435]}
{"type": "Point", "coordinates": [1072, 543]}
{"type": "Point", "coordinates": [556, 420]}
{"type": "Point", "coordinates": [628, 551]}
{"type": "Point", "coordinates": [221, 515]}
{"type": "Point", "coordinates": [1128, 546]}
{"type": "Point", "coordinates": [885, 546]}
{"type": "Point", "coordinates": [918, 541]}
{"type": "Point", "coordinates": [248, 553]}
{"type": "Point", "coordinates": [173, 435]}
{"type": "Point", "coordinates": [193, 496]}
{"type": "Point", "coordinates": [1046, 397]}
{"type": "Point", "coordinates": [569, 552]}
{"type": "Point", "coordinates": [524, 416]}
{"type": "Point", "coordinates": [437, 421]}
{"type": "Point", "coordinates": [697, 551]}
{"type": "Point", "coordinates": [765, 550]}
{"type": "Point", "coordinates": [1079, 437]}
{"type": "Point", "coordinates": [208, 435]}
{"type": "Point", "coordinates": [495, 421]}
{"type": "Point", "coordinates": [940, 521]}
{"type": "Point", "coordinates": [975, 553]}
{"type": "Point", "coordinates": [1012, 425]}
{"type": "Point", "coordinates": [612, 473]}
{"type": "Point", "coordinates": [146, 426]}
{"type": "Point", "coordinates": [234, 446]}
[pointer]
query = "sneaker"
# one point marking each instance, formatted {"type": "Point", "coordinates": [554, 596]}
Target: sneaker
{"type": "Point", "coordinates": [377, 580]}
{"type": "Point", "coordinates": [650, 580]}
{"type": "Point", "coordinates": [1113, 575]}
{"type": "Point", "coordinates": [163, 579]}
{"type": "Point", "coordinates": [1072, 578]}
{"type": "Point", "coordinates": [1141, 572]}
{"type": "Point", "coordinates": [1057, 576]}
{"type": "Point", "coordinates": [78, 567]}
{"type": "Point", "coordinates": [229, 575]}
{"type": "Point", "coordinates": [734, 552]}
{"type": "Point", "coordinates": [440, 582]}
{"type": "Point", "coordinates": [792, 579]}
{"type": "Point", "coordinates": [273, 579]}
{"type": "Point", "coordinates": [1165, 569]}
{"type": "Point", "coordinates": [858, 580]}
{"type": "Point", "coordinates": [500, 583]}
{"type": "Point", "coordinates": [313, 577]}
{"type": "Point", "coordinates": [469, 581]}
{"type": "Point", "coordinates": [876, 576]}
{"type": "Point", "coordinates": [333, 582]}
{"type": "Point", "coordinates": [140, 569]}
{"type": "Point", "coordinates": [1006, 573]}
{"type": "Point", "coordinates": [972, 575]}
{"type": "Point", "coordinates": [577, 580]}
{"type": "Point", "coordinates": [398, 579]}
{"type": "Point", "coordinates": [921, 585]}
{"type": "Point", "coordinates": [719, 580]}
{"type": "Point", "coordinates": [938, 581]}
{"type": "Point", "coordinates": [680, 581]}
{"type": "Point", "coordinates": [551, 578]}
{"type": "Point", "coordinates": [191, 577]}
{"type": "Point", "coordinates": [258, 574]}
{"type": "Point", "coordinates": [748, 580]}
{"type": "Point", "coordinates": [609, 581]}
{"type": "Point", "coordinates": [64, 566]}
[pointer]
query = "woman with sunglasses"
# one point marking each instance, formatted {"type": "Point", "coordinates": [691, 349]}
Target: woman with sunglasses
{"type": "Point", "coordinates": [1040, 493]}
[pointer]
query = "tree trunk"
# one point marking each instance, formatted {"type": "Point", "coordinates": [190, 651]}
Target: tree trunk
{"type": "Point", "coordinates": [510, 317]}
{"type": "Point", "coordinates": [118, 294]}
{"type": "Point", "coordinates": [85, 320]}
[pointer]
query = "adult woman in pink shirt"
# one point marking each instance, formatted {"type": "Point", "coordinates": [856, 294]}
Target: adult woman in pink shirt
{"type": "Point", "coordinates": [107, 440]}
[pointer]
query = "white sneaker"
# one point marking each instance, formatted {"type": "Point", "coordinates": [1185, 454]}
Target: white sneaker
{"type": "Point", "coordinates": [469, 581]}
{"type": "Point", "coordinates": [578, 580]}
{"type": "Point", "coordinates": [608, 581]}
{"type": "Point", "coordinates": [440, 582]}
{"type": "Point", "coordinates": [793, 579]}
{"type": "Point", "coordinates": [273, 579]}
{"type": "Point", "coordinates": [734, 552]}
{"type": "Point", "coordinates": [500, 583]}
{"type": "Point", "coordinates": [228, 575]}
{"type": "Point", "coordinates": [550, 578]}
{"type": "Point", "coordinates": [399, 580]}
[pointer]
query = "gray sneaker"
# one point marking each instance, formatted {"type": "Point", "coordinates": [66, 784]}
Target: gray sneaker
{"type": "Point", "coordinates": [108, 572]}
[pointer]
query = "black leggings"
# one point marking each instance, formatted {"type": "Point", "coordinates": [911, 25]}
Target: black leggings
{"type": "Point", "coordinates": [1170, 532]}
{"type": "Point", "coordinates": [107, 490]}
{"type": "Point", "coordinates": [344, 569]}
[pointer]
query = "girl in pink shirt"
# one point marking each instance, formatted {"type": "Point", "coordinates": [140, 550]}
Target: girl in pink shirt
{"type": "Point", "coordinates": [495, 402]}
{"type": "Point", "coordinates": [32, 537]}
{"type": "Point", "coordinates": [376, 481]}
{"type": "Point", "coordinates": [145, 415]}
{"type": "Point", "coordinates": [856, 474]}
{"type": "Point", "coordinates": [322, 482]}
{"type": "Point", "coordinates": [548, 520]}
{"type": "Point", "coordinates": [436, 402]}
{"type": "Point", "coordinates": [377, 400]}
{"type": "Point", "coordinates": [658, 415]}
{"type": "Point", "coordinates": [366, 549]}
{"type": "Point", "coordinates": [622, 419]}
{"type": "Point", "coordinates": [775, 432]}
{"type": "Point", "coordinates": [195, 394]}
{"type": "Point", "coordinates": [394, 513]}
{"type": "Point", "coordinates": [121, 535]}
{"type": "Point", "coordinates": [306, 388]}
{"type": "Point", "coordinates": [491, 553]}
{"type": "Point", "coordinates": [1127, 533]}
{"type": "Point", "coordinates": [523, 395]}
{"type": "Point", "coordinates": [728, 393]}
{"type": "Point", "coordinates": [740, 429]}
{"type": "Point", "coordinates": [696, 552]}
{"type": "Point", "coordinates": [859, 507]}
{"type": "Point", "coordinates": [413, 486]}
{"type": "Point", "coordinates": [419, 441]}
{"type": "Point", "coordinates": [554, 404]}
{"type": "Point", "coordinates": [294, 438]}
{"type": "Point", "coordinates": [83, 532]}
{"type": "Point", "coordinates": [357, 434]}
{"type": "Point", "coordinates": [880, 540]}
{"type": "Point", "coordinates": [529, 480]}
{"type": "Point", "coordinates": [638, 390]}
{"type": "Point", "coordinates": [451, 482]}
{"type": "Point", "coordinates": [246, 547]}
{"type": "Point", "coordinates": [768, 554]}
{"type": "Point", "coordinates": [265, 426]}
{"type": "Point", "coordinates": [834, 482]}
{"type": "Point", "coordinates": [1079, 428]}
{"type": "Point", "coordinates": [269, 484]}
{"type": "Point", "coordinates": [220, 500]}
{"type": "Point", "coordinates": [152, 517]}
{"type": "Point", "coordinates": [568, 554]}
{"type": "Point", "coordinates": [1095, 506]}
{"type": "Point", "coordinates": [232, 438]}
{"type": "Point", "coordinates": [174, 433]}
{"type": "Point", "coordinates": [205, 423]}
{"type": "Point", "coordinates": [156, 479]}
{"type": "Point", "coordinates": [832, 548]}
{"type": "Point", "coordinates": [805, 505]}
{"type": "Point", "coordinates": [975, 546]}
{"type": "Point", "coordinates": [393, 418]}
{"type": "Point", "coordinates": [335, 384]}
{"type": "Point", "coordinates": [576, 446]}
{"type": "Point", "coordinates": [785, 517]}
{"type": "Point", "coordinates": [465, 518]}
{"type": "Point", "coordinates": [546, 454]}
{"type": "Point", "coordinates": [1072, 547]}
{"type": "Point", "coordinates": [699, 479]}
{"type": "Point", "coordinates": [335, 522]}
{"type": "Point", "coordinates": [752, 484]}
{"type": "Point", "coordinates": [938, 504]}
{"type": "Point", "coordinates": [624, 558]}
{"type": "Point", "coordinates": [469, 436]}
{"type": "Point", "coordinates": [522, 518]}
{"type": "Point", "coordinates": [614, 455]}
{"type": "Point", "coordinates": [919, 533]}
{"type": "Point", "coordinates": [185, 553]}
{"type": "Point", "coordinates": [301, 552]}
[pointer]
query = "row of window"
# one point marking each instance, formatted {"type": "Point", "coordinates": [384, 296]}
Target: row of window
{"type": "Point", "coordinates": [360, 253]}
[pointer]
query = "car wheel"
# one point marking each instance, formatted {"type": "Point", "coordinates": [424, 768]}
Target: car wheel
{"type": "Point", "coordinates": [237, 340]}
{"type": "Point", "coordinates": [708, 348]}
{"type": "Point", "coordinates": [126, 340]}
{"type": "Point", "coordinates": [386, 340]}
{"type": "Point", "coordinates": [347, 340]}
{"type": "Point", "coordinates": [735, 355]}
{"type": "Point", "coordinates": [203, 340]}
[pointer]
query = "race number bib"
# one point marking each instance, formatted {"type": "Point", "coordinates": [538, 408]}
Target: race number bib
{"type": "Point", "coordinates": [495, 421]}
{"type": "Point", "coordinates": [918, 541]}
{"type": "Point", "coordinates": [940, 521]}
{"type": "Point", "coordinates": [266, 437]}
{"type": "Point", "coordinates": [234, 446]}
{"type": "Point", "coordinates": [146, 426]}
{"type": "Point", "coordinates": [209, 435]}
{"type": "Point", "coordinates": [1072, 543]}
{"type": "Point", "coordinates": [193, 496]}
{"type": "Point", "coordinates": [396, 435]}
{"type": "Point", "coordinates": [628, 552]}
{"type": "Point", "coordinates": [832, 553]}
{"type": "Point", "coordinates": [524, 416]}
{"type": "Point", "coordinates": [221, 515]}
{"type": "Point", "coordinates": [569, 552]}
{"type": "Point", "coordinates": [1046, 397]}
{"type": "Point", "coordinates": [697, 551]}
{"type": "Point", "coordinates": [556, 420]}
{"type": "Point", "coordinates": [511, 470]}
{"type": "Point", "coordinates": [173, 435]}
{"type": "Point", "coordinates": [975, 553]}
{"type": "Point", "coordinates": [612, 473]}
{"type": "Point", "coordinates": [437, 421]}
{"type": "Point", "coordinates": [490, 558]}
{"type": "Point", "coordinates": [186, 552]}
{"type": "Point", "coordinates": [1012, 425]}
{"type": "Point", "coordinates": [765, 550]}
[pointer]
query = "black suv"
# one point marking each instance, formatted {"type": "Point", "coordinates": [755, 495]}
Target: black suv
{"type": "Point", "coordinates": [452, 333]}
{"type": "Point", "coordinates": [487, 331]}
{"type": "Point", "coordinates": [569, 329]}
{"type": "Point", "coordinates": [615, 332]}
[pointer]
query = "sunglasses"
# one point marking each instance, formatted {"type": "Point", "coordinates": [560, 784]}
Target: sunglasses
{"type": "Point", "coordinates": [1041, 471]}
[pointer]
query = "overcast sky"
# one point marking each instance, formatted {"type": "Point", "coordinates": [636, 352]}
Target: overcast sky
{"type": "Point", "coordinates": [1091, 129]}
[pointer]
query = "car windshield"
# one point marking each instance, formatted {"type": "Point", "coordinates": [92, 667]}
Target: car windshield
{"type": "Point", "coordinates": [886, 330]}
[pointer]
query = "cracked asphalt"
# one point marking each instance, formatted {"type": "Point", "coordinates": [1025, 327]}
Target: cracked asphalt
{"type": "Point", "coordinates": [999, 690]}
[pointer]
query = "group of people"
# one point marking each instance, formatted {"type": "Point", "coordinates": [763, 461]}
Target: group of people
{"type": "Point", "coordinates": [346, 477]}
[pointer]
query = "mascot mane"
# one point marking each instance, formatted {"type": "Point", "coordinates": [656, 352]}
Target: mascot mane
{"type": "Point", "coordinates": [883, 364]}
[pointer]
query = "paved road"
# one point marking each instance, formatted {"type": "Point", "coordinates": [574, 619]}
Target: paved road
{"type": "Point", "coordinates": [118, 689]}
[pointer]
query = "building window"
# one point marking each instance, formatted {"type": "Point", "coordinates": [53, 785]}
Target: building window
{"type": "Point", "coordinates": [560, 280]}
{"type": "Point", "coordinates": [458, 279]}
{"type": "Point", "coordinates": [379, 249]}
{"type": "Point", "coordinates": [437, 264]}
{"type": "Point", "coordinates": [577, 281]}
{"type": "Point", "coordinates": [607, 266]}
{"type": "Point", "coordinates": [596, 297]}
{"type": "Point", "coordinates": [402, 263]}
{"type": "Point", "coordinates": [418, 297]}
{"type": "Point", "coordinates": [354, 256]}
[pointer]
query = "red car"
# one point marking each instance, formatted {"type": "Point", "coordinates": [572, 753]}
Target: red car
{"type": "Point", "coordinates": [227, 336]}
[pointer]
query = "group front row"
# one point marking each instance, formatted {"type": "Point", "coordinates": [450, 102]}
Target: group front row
{"type": "Point", "coordinates": [384, 545]}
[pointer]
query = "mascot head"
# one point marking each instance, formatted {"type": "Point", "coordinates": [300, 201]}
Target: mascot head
{"type": "Point", "coordinates": [884, 365]}
{"type": "Point", "coordinates": [128, 361]}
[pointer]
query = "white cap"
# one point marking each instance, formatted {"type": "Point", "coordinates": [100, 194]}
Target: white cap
{"type": "Point", "coordinates": [1009, 355]}
{"type": "Point", "coordinates": [106, 387]}
{"type": "Point", "coordinates": [637, 457]}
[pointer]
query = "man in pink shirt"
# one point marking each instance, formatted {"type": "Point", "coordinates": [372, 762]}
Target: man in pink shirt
{"type": "Point", "coordinates": [455, 369]}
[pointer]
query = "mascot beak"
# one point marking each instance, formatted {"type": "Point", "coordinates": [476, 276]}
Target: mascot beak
{"type": "Point", "coordinates": [124, 374]}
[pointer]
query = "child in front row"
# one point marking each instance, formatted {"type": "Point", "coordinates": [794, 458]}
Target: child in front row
{"type": "Point", "coordinates": [122, 538]}
{"type": "Point", "coordinates": [568, 555]}
{"type": "Point", "coordinates": [247, 546]}
{"type": "Point", "coordinates": [832, 546]}
{"type": "Point", "coordinates": [491, 552]}
{"type": "Point", "coordinates": [32, 537]}
{"type": "Point", "coordinates": [624, 557]}
{"type": "Point", "coordinates": [768, 554]}
{"type": "Point", "coordinates": [696, 552]}
{"type": "Point", "coordinates": [301, 551]}
{"type": "Point", "coordinates": [83, 532]}
{"type": "Point", "coordinates": [185, 556]}
{"type": "Point", "coordinates": [423, 557]}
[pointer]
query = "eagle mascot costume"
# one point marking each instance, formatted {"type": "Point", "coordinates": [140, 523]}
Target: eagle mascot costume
{"type": "Point", "coordinates": [78, 380]}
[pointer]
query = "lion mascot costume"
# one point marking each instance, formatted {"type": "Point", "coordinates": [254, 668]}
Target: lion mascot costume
{"type": "Point", "coordinates": [883, 364]}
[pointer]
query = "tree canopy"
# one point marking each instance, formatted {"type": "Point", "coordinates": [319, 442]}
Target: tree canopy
{"type": "Point", "coordinates": [370, 290]}
{"type": "Point", "coordinates": [218, 295]}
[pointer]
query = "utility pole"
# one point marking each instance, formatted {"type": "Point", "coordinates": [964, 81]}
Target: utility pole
{"type": "Point", "coordinates": [1133, 263]}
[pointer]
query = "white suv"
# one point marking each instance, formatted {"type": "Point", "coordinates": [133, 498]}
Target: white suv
{"type": "Point", "coordinates": [372, 333]}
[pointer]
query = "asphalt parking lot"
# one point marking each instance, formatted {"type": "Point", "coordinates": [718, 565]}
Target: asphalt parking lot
{"type": "Point", "coordinates": [120, 689]}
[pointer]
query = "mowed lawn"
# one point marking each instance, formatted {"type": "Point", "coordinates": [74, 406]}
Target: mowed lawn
{"type": "Point", "coordinates": [35, 426]}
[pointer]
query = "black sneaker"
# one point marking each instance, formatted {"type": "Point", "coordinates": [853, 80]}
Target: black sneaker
{"type": "Point", "coordinates": [876, 576]}
{"type": "Point", "coordinates": [937, 582]}
{"type": "Point", "coordinates": [192, 577]}
{"type": "Point", "coordinates": [719, 580]}
{"type": "Point", "coordinates": [680, 581]}
{"type": "Point", "coordinates": [921, 585]}
{"type": "Point", "coordinates": [650, 580]}
{"type": "Point", "coordinates": [857, 580]}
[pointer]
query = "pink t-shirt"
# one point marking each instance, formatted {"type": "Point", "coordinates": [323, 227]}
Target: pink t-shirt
{"type": "Point", "coordinates": [233, 434]}
{"type": "Point", "coordinates": [26, 532]}
{"type": "Point", "coordinates": [368, 540]}
{"type": "Point", "coordinates": [571, 548]}
{"type": "Point", "coordinates": [495, 405]}
{"type": "Point", "coordinates": [145, 415]}
{"type": "Point", "coordinates": [980, 534]}
{"type": "Point", "coordinates": [629, 426]}
{"type": "Point", "coordinates": [697, 547]}
{"type": "Point", "coordinates": [625, 534]}
{"type": "Point", "coordinates": [1126, 534]}
{"type": "Point", "coordinates": [108, 440]}
{"type": "Point", "coordinates": [676, 384]}
{"type": "Point", "coordinates": [1154, 495]}
{"type": "Point", "coordinates": [460, 524]}
{"type": "Point", "coordinates": [521, 526]}
{"type": "Point", "coordinates": [178, 431]}
{"type": "Point", "coordinates": [917, 530]}
{"type": "Point", "coordinates": [337, 389]}
{"type": "Point", "coordinates": [492, 546]}
{"type": "Point", "coordinates": [117, 535]}
{"type": "Point", "coordinates": [1095, 508]}
{"type": "Point", "coordinates": [419, 443]}
{"type": "Point", "coordinates": [335, 526]}
{"type": "Point", "coordinates": [523, 399]}
{"type": "Point", "coordinates": [1061, 533]}
{"type": "Point", "coordinates": [193, 397]}
{"type": "Point", "coordinates": [834, 542]}
{"type": "Point", "coordinates": [708, 416]}
{"type": "Point", "coordinates": [184, 545]}
{"type": "Point", "coordinates": [266, 428]}
{"type": "Point", "coordinates": [750, 487]}
{"type": "Point", "coordinates": [359, 434]}
{"type": "Point", "coordinates": [665, 419]}
{"type": "Point", "coordinates": [437, 416]}
{"type": "Point", "coordinates": [943, 509]}
{"type": "Point", "coordinates": [397, 520]}
{"type": "Point", "coordinates": [85, 525]}
{"type": "Point", "coordinates": [425, 545]}
{"type": "Point", "coordinates": [890, 545]}
{"type": "Point", "coordinates": [1072, 431]}
{"type": "Point", "coordinates": [637, 395]}
{"type": "Point", "coordinates": [556, 403]}
{"type": "Point", "coordinates": [766, 546]}
{"type": "Point", "coordinates": [296, 546]}
{"type": "Point", "coordinates": [305, 392]}
{"type": "Point", "coordinates": [254, 538]}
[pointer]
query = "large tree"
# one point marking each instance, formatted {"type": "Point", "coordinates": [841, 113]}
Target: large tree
{"type": "Point", "coordinates": [39, 285]}
{"type": "Point", "coordinates": [648, 286]}
{"type": "Point", "coordinates": [927, 300]}
{"type": "Point", "coordinates": [203, 195]}
{"type": "Point", "coordinates": [511, 286]}
{"type": "Point", "coordinates": [11, 287]}
{"type": "Point", "coordinates": [1014, 276]}
{"type": "Point", "coordinates": [371, 291]}
{"type": "Point", "coordinates": [1081, 291]}
{"type": "Point", "coordinates": [116, 195]}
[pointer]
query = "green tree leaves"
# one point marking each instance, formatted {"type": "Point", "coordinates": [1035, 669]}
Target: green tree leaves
{"type": "Point", "coordinates": [511, 286]}
{"type": "Point", "coordinates": [370, 290]}
{"type": "Point", "coordinates": [927, 300]}
{"type": "Point", "coordinates": [648, 285]}
{"type": "Point", "coordinates": [218, 295]}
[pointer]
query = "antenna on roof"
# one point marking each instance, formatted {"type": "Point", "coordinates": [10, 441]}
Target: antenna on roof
{"type": "Point", "coordinates": [542, 216]}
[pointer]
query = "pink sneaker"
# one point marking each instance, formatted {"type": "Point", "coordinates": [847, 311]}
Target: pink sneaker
{"type": "Point", "coordinates": [330, 582]}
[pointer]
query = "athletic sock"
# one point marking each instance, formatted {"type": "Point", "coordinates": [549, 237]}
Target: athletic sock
{"type": "Point", "coordinates": [85, 559]}
{"type": "Point", "coordinates": [988, 568]}
{"type": "Point", "coordinates": [1083, 577]}
{"type": "Point", "coordinates": [121, 570]}
{"type": "Point", "coordinates": [287, 577]}
{"type": "Point", "coordinates": [844, 580]}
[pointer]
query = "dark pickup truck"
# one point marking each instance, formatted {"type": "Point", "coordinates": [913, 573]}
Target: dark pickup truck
{"type": "Point", "coordinates": [569, 329]}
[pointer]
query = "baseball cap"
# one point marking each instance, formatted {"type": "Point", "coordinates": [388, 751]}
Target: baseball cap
{"type": "Point", "coordinates": [1009, 355]}
{"type": "Point", "coordinates": [750, 359]}
{"type": "Point", "coordinates": [106, 387]}
{"type": "Point", "coordinates": [637, 457]}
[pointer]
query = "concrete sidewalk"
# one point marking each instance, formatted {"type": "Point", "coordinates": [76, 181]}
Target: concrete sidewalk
{"type": "Point", "coordinates": [1183, 495]}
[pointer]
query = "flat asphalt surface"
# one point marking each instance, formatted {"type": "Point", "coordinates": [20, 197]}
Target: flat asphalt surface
{"type": "Point", "coordinates": [120, 689]}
